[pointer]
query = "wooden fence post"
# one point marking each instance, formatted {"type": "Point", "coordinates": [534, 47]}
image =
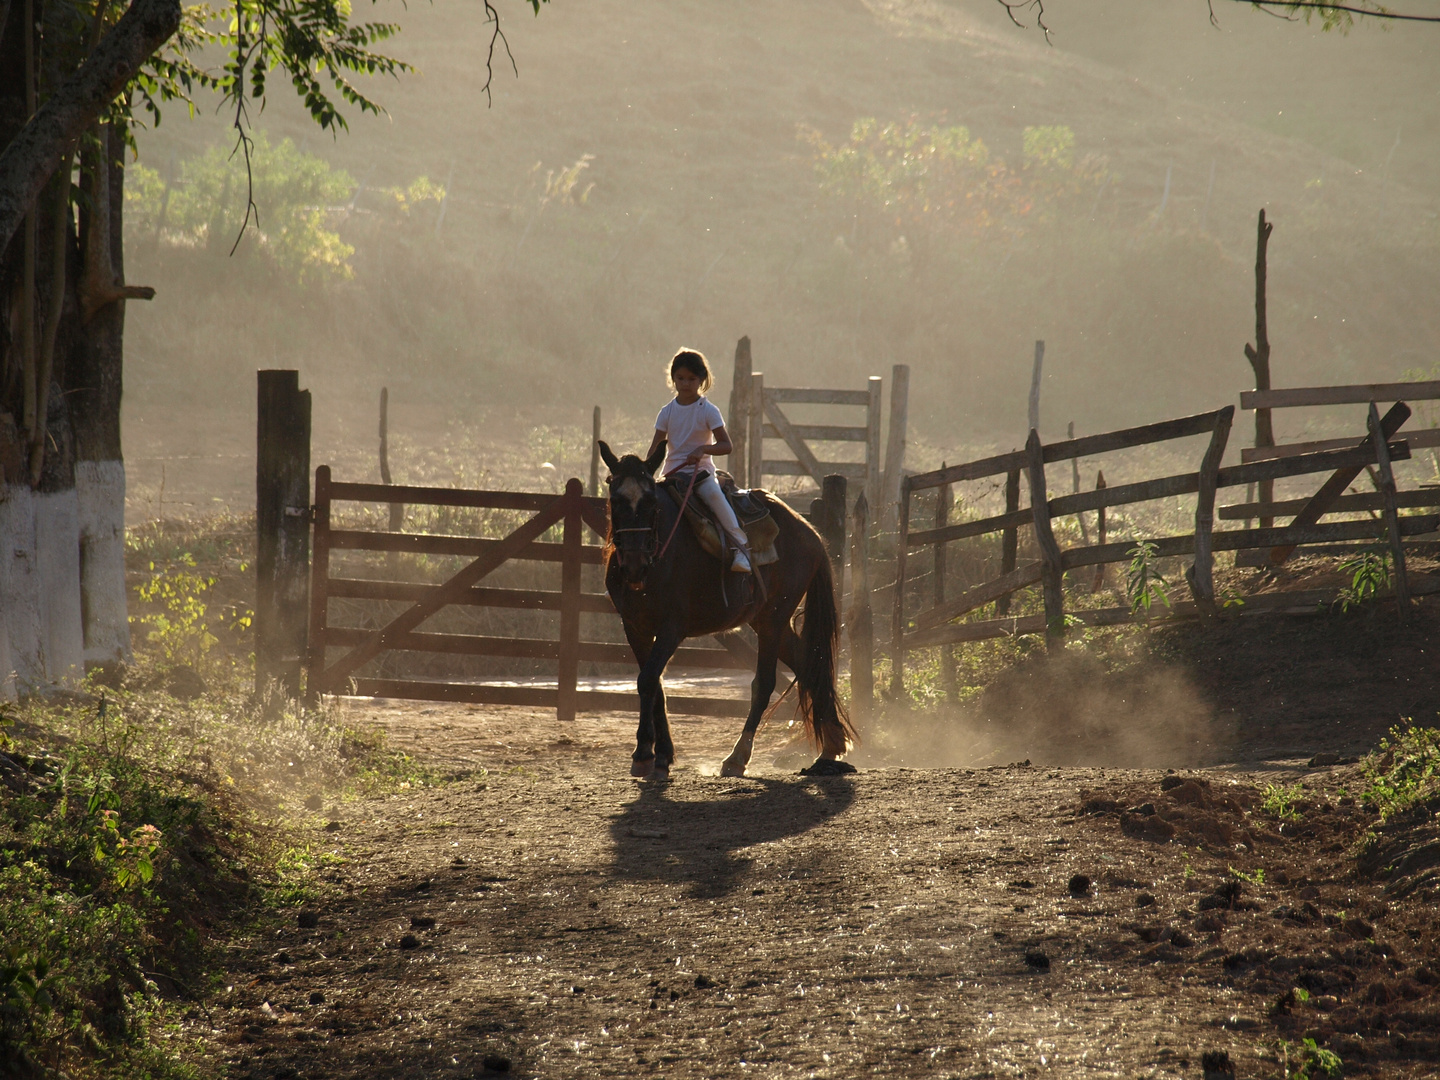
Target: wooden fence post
{"type": "Point", "coordinates": [1075, 487]}
{"type": "Point", "coordinates": [282, 529]}
{"type": "Point", "coordinates": [571, 539]}
{"type": "Point", "coordinates": [1392, 515]}
{"type": "Point", "coordinates": [943, 499]}
{"type": "Point", "coordinates": [1010, 538]}
{"type": "Point", "coordinates": [895, 441]}
{"type": "Point", "coordinates": [1052, 569]}
{"type": "Point", "coordinates": [897, 623]}
{"type": "Point", "coordinates": [397, 510]}
{"type": "Point", "coordinates": [861, 619]}
{"type": "Point", "coordinates": [872, 443]}
{"type": "Point", "coordinates": [1201, 574]}
{"type": "Point", "coordinates": [319, 585]}
{"type": "Point", "coordinates": [595, 453]}
{"type": "Point", "coordinates": [1100, 533]}
{"type": "Point", "coordinates": [833, 496]}
{"type": "Point", "coordinates": [756, 419]}
{"type": "Point", "coordinates": [740, 407]}
{"type": "Point", "coordinates": [1034, 410]}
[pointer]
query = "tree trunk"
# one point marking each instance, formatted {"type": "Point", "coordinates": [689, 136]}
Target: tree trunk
{"type": "Point", "coordinates": [94, 391]}
{"type": "Point", "coordinates": [62, 587]}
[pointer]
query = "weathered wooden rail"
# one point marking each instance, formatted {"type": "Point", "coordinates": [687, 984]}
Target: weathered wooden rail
{"type": "Point", "coordinates": [572, 512]}
{"type": "Point", "coordinates": [935, 625]}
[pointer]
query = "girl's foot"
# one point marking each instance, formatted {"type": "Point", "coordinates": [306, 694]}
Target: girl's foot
{"type": "Point", "coordinates": [740, 563]}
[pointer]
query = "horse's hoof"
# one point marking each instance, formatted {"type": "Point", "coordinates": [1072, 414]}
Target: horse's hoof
{"type": "Point", "coordinates": [732, 768]}
{"type": "Point", "coordinates": [642, 767]}
{"type": "Point", "coordinates": [828, 767]}
{"type": "Point", "coordinates": [660, 774]}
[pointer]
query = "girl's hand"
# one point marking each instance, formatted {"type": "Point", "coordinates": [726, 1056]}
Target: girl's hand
{"type": "Point", "coordinates": [695, 457]}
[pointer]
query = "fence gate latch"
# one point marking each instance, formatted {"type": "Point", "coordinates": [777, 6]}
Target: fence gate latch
{"type": "Point", "coordinates": [306, 512]}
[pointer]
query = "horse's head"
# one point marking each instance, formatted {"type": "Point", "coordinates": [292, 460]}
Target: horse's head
{"type": "Point", "coordinates": [634, 511]}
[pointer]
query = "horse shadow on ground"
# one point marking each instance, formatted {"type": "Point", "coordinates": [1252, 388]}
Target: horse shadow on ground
{"type": "Point", "coordinates": [674, 833]}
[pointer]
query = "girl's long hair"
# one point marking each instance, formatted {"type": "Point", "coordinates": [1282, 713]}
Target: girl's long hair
{"type": "Point", "coordinates": [693, 361]}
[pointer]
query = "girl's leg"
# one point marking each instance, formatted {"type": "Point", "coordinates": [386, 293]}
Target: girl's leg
{"type": "Point", "coordinates": [714, 498]}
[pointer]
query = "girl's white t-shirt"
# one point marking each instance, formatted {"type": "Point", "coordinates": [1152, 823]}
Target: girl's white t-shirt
{"type": "Point", "coordinates": [686, 428]}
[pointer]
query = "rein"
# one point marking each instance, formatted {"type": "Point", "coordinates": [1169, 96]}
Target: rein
{"type": "Point", "coordinates": [678, 517]}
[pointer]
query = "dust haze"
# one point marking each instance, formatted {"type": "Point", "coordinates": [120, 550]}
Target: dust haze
{"type": "Point", "coordinates": [1066, 710]}
{"type": "Point", "coordinates": [651, 178]}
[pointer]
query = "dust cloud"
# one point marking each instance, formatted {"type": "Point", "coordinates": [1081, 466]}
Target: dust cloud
{"type": "Point", "coordinates": [1066, 710]}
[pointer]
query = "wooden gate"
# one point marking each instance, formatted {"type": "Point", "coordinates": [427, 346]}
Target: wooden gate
{"type": "Point", "coordinates": [572, 513]}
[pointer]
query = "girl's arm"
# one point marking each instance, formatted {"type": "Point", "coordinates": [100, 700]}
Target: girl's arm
{"type": "Point", "coordinates": [655, 443]}
{"type": "Point", "coordinates": [721, 445]}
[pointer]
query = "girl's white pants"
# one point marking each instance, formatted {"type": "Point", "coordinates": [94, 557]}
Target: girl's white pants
{"type": "Point", "coordinates": [708, 489]}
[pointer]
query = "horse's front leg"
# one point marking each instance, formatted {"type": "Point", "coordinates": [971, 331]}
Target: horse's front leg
{"type": "Point", "coordinates": [643, 760]}
{"type": "Point", "coordinates": [761, 687]}
{"type": "Point", "coordinates": [654, 751]}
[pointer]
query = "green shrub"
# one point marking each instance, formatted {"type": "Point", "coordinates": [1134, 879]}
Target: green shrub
{"type": "Point", "coordinates": [1404, 771]}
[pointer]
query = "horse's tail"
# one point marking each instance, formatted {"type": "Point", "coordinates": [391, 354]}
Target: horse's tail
{"type": "Point", "coordinates": [826, 720]}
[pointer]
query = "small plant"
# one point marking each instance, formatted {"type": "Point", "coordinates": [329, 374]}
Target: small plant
{"type": "Point", "coordinates": [1229, 598]}
{"type": "Point", "coordinates": [1404, 772]}
{"type": "Point", "coordinates": [1144, 584]}
{"type": "Point", "coordinates": [1279, 801]}
{"type": "Point", "coordinates": [1254, 877]}
{"type": "Point", "coordinates": [183, 627]}
{"type": "Point", "coordinates": [1370, 575]}
{"type": "Point", "coordinates": [1311, 1061]}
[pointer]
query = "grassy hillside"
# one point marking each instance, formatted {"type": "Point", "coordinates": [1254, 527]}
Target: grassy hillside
{"type": "Point", "coordinates": [706, 221]}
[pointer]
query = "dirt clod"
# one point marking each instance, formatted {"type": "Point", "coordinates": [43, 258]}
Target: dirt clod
{"type": "Point", "coordinates": [313, 803]}
{"type": "Point", "coordinates": [495, 1063]}
{"type": "Point", "coordinates": [1038, 960]}
{"type": "Point", "coordinates": [421, 922]}
{"type": "Point", "coordinates": [317, 997]}
{"type": "Point", "coordinates": [1079, 885]}
{"type": "Point", "coordinates": [409, 941]}
{"type": "Point", "coordinates": [307, 920]}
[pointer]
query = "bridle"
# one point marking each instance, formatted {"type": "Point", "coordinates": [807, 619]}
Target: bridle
{"type": "Point", "coordinates": [652, 556]}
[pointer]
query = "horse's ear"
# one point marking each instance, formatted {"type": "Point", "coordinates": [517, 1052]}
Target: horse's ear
{"type": "Point", "coordinates": [655, 460]}
{"type": "Point", "coordinates": [608, 455]}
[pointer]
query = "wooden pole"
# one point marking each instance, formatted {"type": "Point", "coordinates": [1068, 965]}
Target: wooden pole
{"type": "Point", "coordinates": [571, 538]}
{"type": "Point", "coordinates": [756, 418]}
{"type": "Point", "coordinates": [1259, 357]}
{"type": "Point", "coordinates": [1100, 530]}
{"type": "Point", "coordinates": [861, 621]}
{"type": "Point", "coordinates": [397, 510]}
{"type": "Point", "coordinates": [897, 623]}
{"type": "Point", "coordinates": [1034, 413]}
{"type": "Point", "coordinates": [1010, 538]}
{"type": "Point", "coordinates": [740, 407]}
{"type": "Point", "coordinates": [319, 585]}
{"type": "Point", "coordinates": [595, 453]}
{"type": "Point", "coordinates": [943, 499]}
{"type": "Point", "coordinates": [872, 442]}
{"type": "Point", "coordinates": [1392, 515]}
{"type": "Point", "coordinates": [1201, 574]}
{"type": "Point", "coordinates": [1052, 570]}
{"type": "Point", "coordinates": [895, 440]}
{"type": "Point", "coordinates": [833, 493]}
{"type": "Point", "coordinates": [1075, 486]}
{"type": "Point", "coordinates": [282, 529]}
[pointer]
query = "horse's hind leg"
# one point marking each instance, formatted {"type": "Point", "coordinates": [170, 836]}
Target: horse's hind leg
{"type": "Point", "coordinates": [761, 687]}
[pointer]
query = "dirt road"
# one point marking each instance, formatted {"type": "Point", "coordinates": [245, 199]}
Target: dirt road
{"type": "Point", "coordinates": [894, 923]}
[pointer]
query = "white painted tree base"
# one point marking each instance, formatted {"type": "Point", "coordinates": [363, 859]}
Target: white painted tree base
{"type": "Point", "coordinates": [100, 496]}
{"type": "Point", "coordinates": [40, 588]}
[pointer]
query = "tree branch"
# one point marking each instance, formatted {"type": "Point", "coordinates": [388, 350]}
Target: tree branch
{"type": "Point", "coordinates": [1317, 5]}
{"type": "Point", "coordinates": [29, 161]}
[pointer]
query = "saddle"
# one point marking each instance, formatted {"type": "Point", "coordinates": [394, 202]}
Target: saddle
{"type": "Point", "coordinates": [750, 507]}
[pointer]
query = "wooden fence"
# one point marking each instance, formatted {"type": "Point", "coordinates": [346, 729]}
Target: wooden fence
{"type": "Point", "coordinates": [759, 412]}
{"type": "Point", "coordinates": [571, 513]}
{"type": "Point", "coordinates": [935, 624]}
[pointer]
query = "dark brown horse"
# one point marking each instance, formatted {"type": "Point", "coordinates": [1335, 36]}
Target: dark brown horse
{"type": "Point", "coordinates": [665, 594]}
